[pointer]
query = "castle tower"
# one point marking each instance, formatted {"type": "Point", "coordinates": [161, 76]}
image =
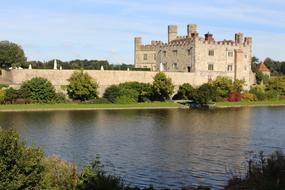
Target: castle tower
{"type": "Point", "coordinates": [191, 30]}
{"type": "Point", "coordinates": [172, 32]}
{"type": "Point", "coordinates": [239, 38]}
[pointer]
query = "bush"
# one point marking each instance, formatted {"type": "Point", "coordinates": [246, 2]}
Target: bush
{"type": "Point", "coordinates": [185, 92]}
{"type": "Point", "coordinates": [38, 90]}
{"type": "Point", "coordinates": [205, 93]}
{"type": "Point", "coordinates": [112, 92]}
{"type": "Point", "coordinates": [2, 96]}
{"type": "Point", "coordinates": [234, 97]}
{"type": "Point", "coordinates": [59, 174]}
{"type": "Point", "coordinates": [277, 84]}
{"type": "Point", "coordinates": [124, 100]}
{"type": "Point", "coordinates": [258, 91]}
{"type": "Point", "coordinates": [59, 98]}
{"type": "Point", "coordinates": [143, 90]}
{"type": "Point", "coordinates": [262, 174]}
{"type": "Point", "coordinates": [162, 87]}
{"type": "Point", "coordinates": [247, 96]}
{"type": "Point", "coordinates": [223, 85]}
{"type": "Point", "coordinates": [11, 95]}
{"type": "Point", "coordinates": [21, 167]}
{"type": "Point", "coordinates": [82, 86]}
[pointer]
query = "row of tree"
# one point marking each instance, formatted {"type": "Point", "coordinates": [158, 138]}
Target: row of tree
{"type": "Point", "coordinates": [13, 55]}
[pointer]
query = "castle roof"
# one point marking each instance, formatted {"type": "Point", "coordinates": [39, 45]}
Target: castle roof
{"type": "Point", "coordinates": [262, 67]}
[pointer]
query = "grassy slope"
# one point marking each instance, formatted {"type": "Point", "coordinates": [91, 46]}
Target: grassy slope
{"type": "Point", "coordinates": [74, 106]}
{"type": "Point", "coordinates": [257, 103]}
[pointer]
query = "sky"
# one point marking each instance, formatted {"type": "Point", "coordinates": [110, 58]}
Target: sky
{"type": "Point", "coordinates": [105, 29]}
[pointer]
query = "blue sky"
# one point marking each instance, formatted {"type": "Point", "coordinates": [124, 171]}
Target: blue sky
{"type": "Point", "coordinates": [104, 29]}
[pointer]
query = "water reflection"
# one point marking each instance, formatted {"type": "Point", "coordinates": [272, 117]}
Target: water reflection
{"type": "Point", "coordinates": [167, 148]}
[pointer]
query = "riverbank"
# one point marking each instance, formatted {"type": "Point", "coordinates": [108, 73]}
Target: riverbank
{"type": "Point", "coordinates": [250, 104]}
{"type": "Point", "coordinates": [77, 106]}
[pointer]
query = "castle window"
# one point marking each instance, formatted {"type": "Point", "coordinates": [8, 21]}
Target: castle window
{"type": "Point", "coordinates": [230, 54]}
{"type": "Point", "coordinates": [145, 56]}
{"type": "Point", "coordinates": [189, 69]}
{"type": "Point", "coordinates": [230, 67]}
{"type": "Point", "coordinates": [211, 52]}
{"type": "Point", "coordinates": [210, 67]}
{"type": "Point", "coordinates": [174, 52]}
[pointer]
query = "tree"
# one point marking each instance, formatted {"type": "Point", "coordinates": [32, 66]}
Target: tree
{"type": "Point", "coordinates": [254, 62]}
{"type": "Point", "coordinates": [223, 85]}
{"type": "Point", "coordinates": [11, 55]}
{"type": "Point", "coordinates": [21, 167]}
{"type": "Point", "coordinates": [82, 86]}
{"type": "Point", "coordinates": [238, 85]}
{"type": "Point", "coordinates": [205, 93]}
{"type": "Point", "coordinates": [261, 78]}
{"type": "Point", "coordinates": [38, 89]}
{"type": "Point", "coordinates": [185, 92]}
{"type": "Point", "coordinates": [162, 87]}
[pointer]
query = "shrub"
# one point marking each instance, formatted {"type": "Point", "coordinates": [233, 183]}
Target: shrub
{"type": "Point", "coordinates": [205, 93]}
{"type": "Point", "coordinates": [59, 98]}
{"type": "Point", "coordinates": [82, 86]}
{"type": "Point", "coordinates": [162, 87]}
{"type": "Point", "coordinates": [277, 84]}
{"type": "Point", "coordinates": [234, 97]}
{"type": "Point", "coordinates": [185, 92]}
{"type": "Point", "coordinates": [2, 96]}
{"type": "Point", "coordinates": [124, 100]}
{"type": "Point", "coordinates": [3, 85]}
{"type": "Point", "coordinates": [258, 91]}
{"type": "Point", "coordinates": [38, 90]}
{"type": "Point", "coordinates": [21, 167]}
{"type": "Point", "coordinates": [247, 96]}
{"type": "Point", "coordinates": [59, 174]}
{"type": "Point", "coordinates": [11, 95]}
{"type": "Point", "coordinates": [143, 90]}
{"type": "Point", "coordinates": [261, 78]}
{"type": "Point", "coordinates": [223, 85]}
{"type": "Point", "coordinates": [112, 92]}
{"type": "Point", "coordinates": [262, 173]}
{"type": "Point", "coordinates": [238, 85]}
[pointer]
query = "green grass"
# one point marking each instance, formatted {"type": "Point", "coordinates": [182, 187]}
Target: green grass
{"type": "Point", "coordinates": [256, 103]}
{"type": "Point", "coordinates": [77, 106]}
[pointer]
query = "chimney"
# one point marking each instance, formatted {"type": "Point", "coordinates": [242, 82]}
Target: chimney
{"type": "Point", "coordinates": [209, 37]}
{"type": "Point", "coordinates": [239, 38]}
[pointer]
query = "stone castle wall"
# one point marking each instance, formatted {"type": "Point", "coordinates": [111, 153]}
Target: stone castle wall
{"type": "Point", "coordinates": [104, 78]}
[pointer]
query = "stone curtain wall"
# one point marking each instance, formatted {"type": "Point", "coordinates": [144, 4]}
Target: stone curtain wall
{"type": "Point", "coordinates": [105, 78]}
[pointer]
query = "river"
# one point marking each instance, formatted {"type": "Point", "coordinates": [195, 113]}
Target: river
{"type": "Point", "coordinates": [167, 148]}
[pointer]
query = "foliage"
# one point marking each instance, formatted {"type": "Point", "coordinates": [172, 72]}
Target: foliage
{"type": "Point", "coordinates": [234, 97]}
{"type": "Point", "coordinates": [247, 96]}
{"type": "Point", "coordinates": [238, 85]}
{"type": "Point", "coordinates": [254, 62]}
{"type": "Point", "coordinates": [144, 90]}
{"type": "Point", "coordinates": [60, 174]}
{"type": "Point", "coordinates": [261, 78]}
{"type": "Point", "coordinates": [11, 95]}
{"type": "Point", "coordinates": [2, 96]}
{"type": "Point", "coordinates": [21, 167]}
{"type": "Point", "coordinates": [205, 93]}
{"type": "Point", "coordinates": [124, 99]}
{"type": "Point", "coordinates": [112, 92]}
{"type": "Point", "coordinates": [82, 86]}
{"type": "Point", "coordinates": [162, 87]}
{"type": "Point", "coordinates": [262, 173]}
{"type": "Point", "coordinates": [223, 85]}
{"type": "Point", "coordinates": [3, 86]}
{"type": "Point", "coordinates": [59, 98]}
{"type": "Point", "coordinates": [185, 92]}
{"type": "Point", "coordinates": [258, 91]}
{"type": "Point", "coordinates": [277, 84]}
{"type": "Point", "coordinates": [38, 90]}
{"type": "Point", "coordinates": [11, 55]}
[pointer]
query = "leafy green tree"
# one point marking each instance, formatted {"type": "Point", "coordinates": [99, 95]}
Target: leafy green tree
{"type": "Point", "coordinates": [143, 90]}
{"type": "Point", "coordinates": [112, 92]}
{"type": "Point", "coordinates": [185, 92]}
{"type": "Point", "coordinates": [254, 62]}
{"type": "Point", "coordinates": [82, 86]}
{"type": "Point", "coordinates": [206, 93]}
{"type": "Point", "coordinates": [261, 78]}
{"type": "Point", "coordinates": [21, 167]}
{"type": "Point", "coordinates": [223, 85]}
{"type": "Point", "coordinates": [162, 87]}
{"type": "Point", "coordinates": [11, 55]}
{"type": "Point", "coordinates": [38, 89]}
{"type": "Point", "coordinates": [277, 84]}
{"type": "Point", "coordinates": [11, 95]}
{"type": "Point", "coordinates": [238, 85]}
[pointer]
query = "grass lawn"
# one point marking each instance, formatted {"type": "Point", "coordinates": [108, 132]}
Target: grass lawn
{"type": "Point", "coordinates": [244, 104]}
{"type": "Point", "coordinates": [76, 106]}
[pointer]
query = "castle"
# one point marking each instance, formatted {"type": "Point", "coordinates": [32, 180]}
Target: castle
{"type": "Point", "coordinates": [203, 56]}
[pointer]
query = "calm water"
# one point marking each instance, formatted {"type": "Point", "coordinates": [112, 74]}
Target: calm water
{"type": "Point", "coordinates": [166, 148]}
